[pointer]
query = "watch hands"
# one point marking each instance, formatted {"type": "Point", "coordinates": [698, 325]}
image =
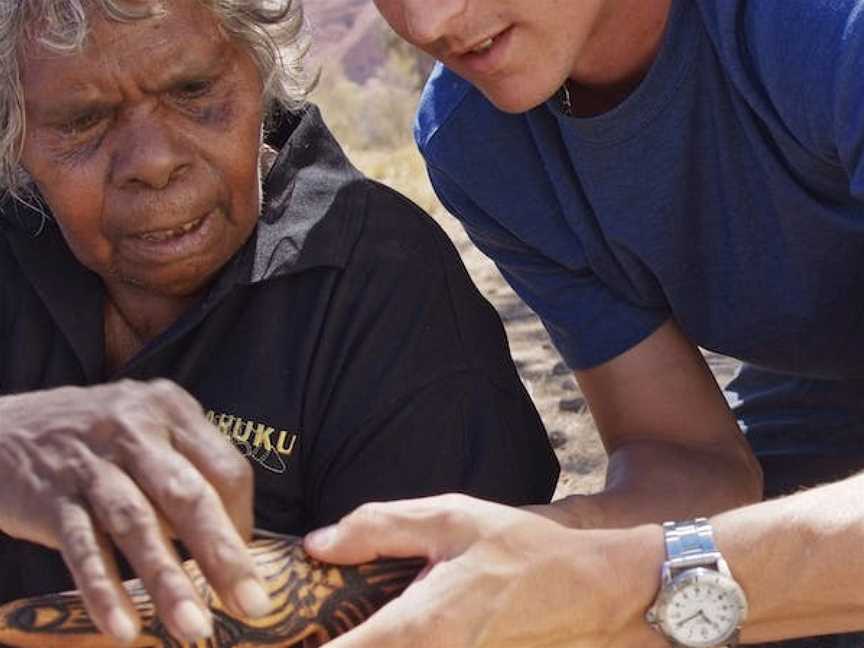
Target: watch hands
{"type": "Point", "coordinates": [690, 618]}
{"type": "Point", "coordinates": [700, 613]}
{"type": "Point", "coordinates": [710, 621]}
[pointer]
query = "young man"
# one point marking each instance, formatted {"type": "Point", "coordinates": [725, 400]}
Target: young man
{"type": "Point", "coordinates": [654, 177]}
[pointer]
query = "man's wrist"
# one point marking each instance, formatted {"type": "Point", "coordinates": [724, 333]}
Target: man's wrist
{"type": "Point", "coordinates": [643, 552]}
{"type": "Point", "coordinates": [634, 557]}
{"type": "Point", "coordinates": [573, 511]}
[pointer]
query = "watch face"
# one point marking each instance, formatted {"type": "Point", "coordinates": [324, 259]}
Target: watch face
{"type": "Point", "coordinates": [701, 608]}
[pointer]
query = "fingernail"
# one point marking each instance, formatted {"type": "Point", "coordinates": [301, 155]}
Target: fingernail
{"type": "Point", "coordinates": [121, 627]}
{"type": "Point", "coordinates": [191, 621]}
{"type": "Point", "coordinates": [252, 598]}
{"type": "Point", "coordinates": [321, 539]}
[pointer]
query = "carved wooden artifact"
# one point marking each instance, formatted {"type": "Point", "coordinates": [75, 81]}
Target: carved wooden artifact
{"type": "Point", "coordinates": [313, 603]}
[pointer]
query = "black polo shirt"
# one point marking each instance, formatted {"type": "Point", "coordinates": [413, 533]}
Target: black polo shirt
{"type": "Point", "coordinates": [344, 350]}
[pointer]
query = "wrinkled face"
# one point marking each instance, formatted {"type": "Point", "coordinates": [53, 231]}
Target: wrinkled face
{"type": "Point", "coordinates": [517, 52]}
{"type": "Point", "coordinates": [145, 147]}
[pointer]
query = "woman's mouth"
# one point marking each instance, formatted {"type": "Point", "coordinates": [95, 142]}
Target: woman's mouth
{"type": "Point", "coordinates": [171, 244]}
{"type": "Point", "coordinates": [158, 236]}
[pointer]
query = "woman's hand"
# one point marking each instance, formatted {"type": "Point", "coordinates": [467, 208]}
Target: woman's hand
{"type": "Point", "coordinates": [130, 464]}
{"type": "Point", "coordinates": [499, 577]}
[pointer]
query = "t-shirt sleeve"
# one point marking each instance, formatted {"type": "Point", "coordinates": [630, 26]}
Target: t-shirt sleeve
{"type": "Point", "coordinates": [416, 393]}
{"type": "Point", "coordinates": [588, 322]}
{"type": "Point", "coordinates": [809, 57]}
{"type": "Point", "coordinates": [849, 101]}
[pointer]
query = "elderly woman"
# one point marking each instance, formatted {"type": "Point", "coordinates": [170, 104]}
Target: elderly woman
{"type": "Point", "coordinates": [174, 217]}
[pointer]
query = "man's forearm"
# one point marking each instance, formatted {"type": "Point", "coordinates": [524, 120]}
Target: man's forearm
{"type": "Point", "coordinates": [800, 560]}
{"type": "Point", "coordinates": [654, 482]}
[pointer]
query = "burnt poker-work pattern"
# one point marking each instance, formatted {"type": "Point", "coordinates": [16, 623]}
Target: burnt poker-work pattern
{"type": "Point", "coordinates": [313, 603]}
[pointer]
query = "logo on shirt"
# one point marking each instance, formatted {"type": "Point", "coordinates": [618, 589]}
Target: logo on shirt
{"type": "Point", "coordinates": [258, 441]}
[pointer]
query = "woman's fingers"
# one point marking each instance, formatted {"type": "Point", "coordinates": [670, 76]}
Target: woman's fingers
{"type": "Point", "coordinates": [128, 458]}
{"type": "Point", "coordinates": [95, 572]}
{"type": "Point", "coordinates": [199, 484]}
{"type": "Point", "coordinates": [195, 513]}
{"type": "Point", "coordinates": [127, 516]}
{"type": "Point", "coordinates": [227, 471]}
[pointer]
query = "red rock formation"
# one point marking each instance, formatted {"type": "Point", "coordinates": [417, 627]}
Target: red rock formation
{"type": "Point", "coordinates": [347, 32]}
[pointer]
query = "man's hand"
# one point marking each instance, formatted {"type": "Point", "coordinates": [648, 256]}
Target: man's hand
{"type": "Point", "coordinates": [130, 464]}
{"type": "Point", "coordinates": [499, 577]}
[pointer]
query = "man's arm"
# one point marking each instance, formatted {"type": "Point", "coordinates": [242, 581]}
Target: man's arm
{"type": "Point", "coordinates": [674, 445]}
{"type": "Point", "coordinates": [675, 450]}
{"type": "Point", "coordinates": [800, 560]}
{"type": "Point", "coordinates": [503, 577]}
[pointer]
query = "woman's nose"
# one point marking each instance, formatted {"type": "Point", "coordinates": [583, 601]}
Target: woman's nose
{"type": "Point", "coordinates": [148, 154]}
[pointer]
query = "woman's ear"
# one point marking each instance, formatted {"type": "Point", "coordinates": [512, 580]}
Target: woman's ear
{"type": "Point", "coordinates": [266, 157]}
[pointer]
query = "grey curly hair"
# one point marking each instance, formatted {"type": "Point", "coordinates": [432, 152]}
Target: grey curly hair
{"type": "Point", "coordinates": [273, 30]}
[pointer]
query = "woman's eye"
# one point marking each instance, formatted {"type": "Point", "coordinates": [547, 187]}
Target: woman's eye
{"type": "Point", "coordinates": [194, 89]}
{"type": "Point", "coordinates": [82, 124]}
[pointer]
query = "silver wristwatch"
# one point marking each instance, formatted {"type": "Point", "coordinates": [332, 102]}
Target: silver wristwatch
{"type": "Point", "coordinates": [699, 604]}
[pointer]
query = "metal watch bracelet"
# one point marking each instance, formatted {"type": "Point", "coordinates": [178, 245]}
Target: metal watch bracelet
{"type": "Point", "coordinates": [695, 567]}
{"type": "Point", "coordinates": [690, 544]}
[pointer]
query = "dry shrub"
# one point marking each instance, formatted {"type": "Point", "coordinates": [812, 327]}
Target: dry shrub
{"type": "Point", "coordinates": [373, 122]}
{"type": "Point", "coordinates": [377, 115]}
{"type": "Point", "coordinates": [400, 168]}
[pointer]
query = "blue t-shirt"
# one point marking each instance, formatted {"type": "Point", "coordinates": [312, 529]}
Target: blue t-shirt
{"type": "Point", "coordinates": [727, 192]}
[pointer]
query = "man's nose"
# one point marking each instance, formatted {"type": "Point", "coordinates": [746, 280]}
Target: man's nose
{"type": "Point", "coordinates": [427, 21]}
{"type": "Point", "coordinates": [149, 154]}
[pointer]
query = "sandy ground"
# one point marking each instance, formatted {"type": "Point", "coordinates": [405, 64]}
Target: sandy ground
{"type": "Point", "coordinates": [549, 381]}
